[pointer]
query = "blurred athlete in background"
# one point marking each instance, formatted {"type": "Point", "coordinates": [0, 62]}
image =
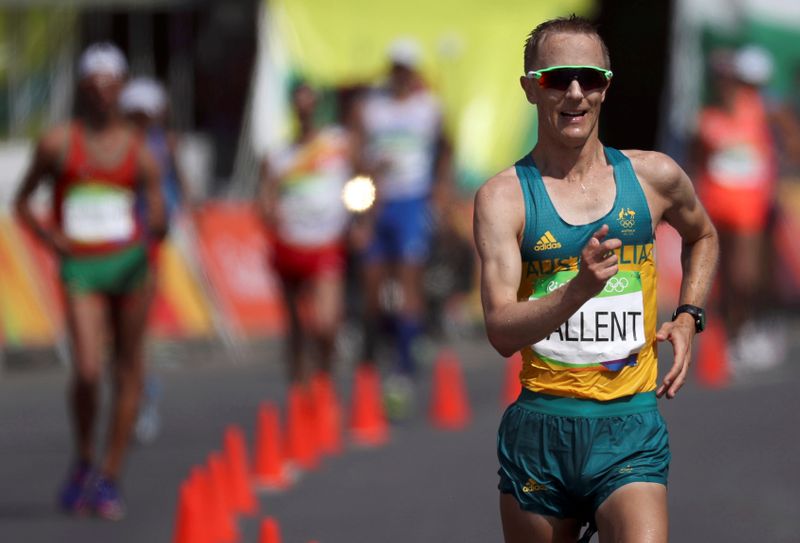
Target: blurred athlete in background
{"type": "Point", "coordinates": [145, 103]}
{"type": "Point", "coordinates": [737, 169]}
{"type": "Point", "coordinates": [403, 148]}
{"type": "Point", "coordinates": [95, 166]}
{"type": "Point", "coordinates": [300, 201]}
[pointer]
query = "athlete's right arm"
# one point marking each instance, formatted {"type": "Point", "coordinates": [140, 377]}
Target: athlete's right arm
{"type": "Point", "coordinates": [267, 198]}
{"type": "Point", "coordinates": [45, 163]}
{"type": "Point", "coordinates": [498, 225]}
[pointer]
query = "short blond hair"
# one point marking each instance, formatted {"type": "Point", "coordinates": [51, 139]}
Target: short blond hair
{"type": "Point", "coordinates": [572, 24]}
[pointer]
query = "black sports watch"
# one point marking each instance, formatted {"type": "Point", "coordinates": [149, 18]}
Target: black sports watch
{"type": "Point", "coordinates": [697, 313]}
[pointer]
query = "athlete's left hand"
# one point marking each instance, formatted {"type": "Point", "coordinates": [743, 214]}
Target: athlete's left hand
{"type": "Point", "coordinates": [680, 333]}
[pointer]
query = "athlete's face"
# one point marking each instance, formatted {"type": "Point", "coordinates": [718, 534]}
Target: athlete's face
{"type": "Point", "coordinates": [102, 91]}
{"type": "Point", "coordinates": [401, 79]}
{"type": "Point", "coordinates": [570, 115]}
{"type": "Point", "coordinates": [305, 101]}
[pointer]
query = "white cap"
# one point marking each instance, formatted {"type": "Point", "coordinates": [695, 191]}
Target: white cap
{"type": "Point", "coordinates": [405, 52]}
{"type": "Point", "coordinates": [143, 95]}
{"type": "Point", "coordinates": [102, 58]}
{"type": "Point", "coordinates": [753, 64]}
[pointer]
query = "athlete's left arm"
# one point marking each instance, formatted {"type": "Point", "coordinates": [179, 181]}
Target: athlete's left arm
{"type": "Point", "coordinates": [443, 182]}
{"type": "Point", "coordinates": [150, 182]}
{"type": "Point", "coordinates": [672, 198]}
{"type": "Point", "coordinates": [174, 144]}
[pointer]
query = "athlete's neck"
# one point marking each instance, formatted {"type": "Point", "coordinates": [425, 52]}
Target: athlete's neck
{"type": "Point", "coordinates": [401, 93]}
{"type": "Point", "coordinates": [554, 159]}
{"type": "Point", "coordinates": [307, 131]}
{"type": "Point", "coordinates": [100, 121]}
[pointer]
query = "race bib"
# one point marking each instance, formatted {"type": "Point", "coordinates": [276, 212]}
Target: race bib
{"type": "Point", "coordinates": [737, 166]}
{"type": "Point", "coordinates": [407, 155]}
{"type": "Point", "coordinates": [606, 333]}
{"type": "Point", "coordinates": [95, 213]}
{"type": "Point", "coordinates": [311, 209]}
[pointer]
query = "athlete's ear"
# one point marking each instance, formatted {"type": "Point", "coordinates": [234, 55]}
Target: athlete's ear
{"type": "Point", "coordinates": [527, 86]}
{"type": "Point", "coordinates": [603, 95]}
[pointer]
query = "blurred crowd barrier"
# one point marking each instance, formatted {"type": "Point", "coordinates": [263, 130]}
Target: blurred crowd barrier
{"type": "Point", "coordinates": [214, 279]}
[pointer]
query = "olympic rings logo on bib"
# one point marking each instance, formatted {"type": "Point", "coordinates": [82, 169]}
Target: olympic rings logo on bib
{"type": "Point", "coordinates": [616, 284]}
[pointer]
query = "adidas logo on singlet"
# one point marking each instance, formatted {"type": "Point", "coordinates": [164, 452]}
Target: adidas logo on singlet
{"type": "Point", "coordinates": [547, 241]}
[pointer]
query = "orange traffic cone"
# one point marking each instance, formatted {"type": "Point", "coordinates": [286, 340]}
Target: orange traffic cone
{"type": "Point", "coordinates": [188, 524]}
{"type": "Point", "coordinates": [199, 481]}
{"type": "Point", "coordinates": [368, 424]}
{"type": "Point", "coordinates": [270, 465]}
{"type": "Point", "coordinates": [243, 500]}
{"type": "Point", "coordinates": [301, 447]}
{"type": "Point", "coordinates": [220, 501]}
{"type": "Point", "coordinates": [449, 406]}
{"type": "Point", "coordinates": [713, 370]}
{"type": "Point", "coordinates": [215, 527]}
{"type": "Point", "coordinates": [328, 413]}
{"type": "Point", "coordinates": [511, 385]}
{"type": "Point", "coordinates": [269, 532]}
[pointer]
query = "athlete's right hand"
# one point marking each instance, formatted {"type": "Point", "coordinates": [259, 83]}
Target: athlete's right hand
{"type": "Point", "coordinates": [598, 263]}
{"type": "Point", "coordinates": [58, 242]}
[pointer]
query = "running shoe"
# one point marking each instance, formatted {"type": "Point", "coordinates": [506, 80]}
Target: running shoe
{"type": "Point", "coordinates": [106, 500]}
{"type": "Point", "coordinates": [399, 397]}
{"type": "Point", "coordinates": [148, 422]}
{"type": "Point", "coordinates": [74, 495]}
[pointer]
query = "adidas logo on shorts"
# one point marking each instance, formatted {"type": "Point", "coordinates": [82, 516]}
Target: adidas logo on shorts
{"type": "Point", "coordinates": [532, 486]}
{"type": "Point", "coordinates": [547, 241]}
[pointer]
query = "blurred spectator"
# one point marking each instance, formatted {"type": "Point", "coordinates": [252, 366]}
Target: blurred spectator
{"type": "Point", "coordinates": [97, 164]}
{"type": "Point", "coordinates": [404, 150]}
{"type": "Point", "coordinates": [300, 202]}
{"type": "Point", "coordinates": [736, 166]}
{"type": "Point", "coordinates": [785, 121]}
{"type": "Point", "coordinates": [144, 102]}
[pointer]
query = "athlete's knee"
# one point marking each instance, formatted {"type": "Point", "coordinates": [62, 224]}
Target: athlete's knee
{"type": "Point", "coordinates": [325, 328]}
{"type": "Point", "coordinates": [129, 371]}
{"type": "Point", "coordinates": [744, 284]}
{"type": "Point", "coordinates": [413, 304]}
{"type": "Point", "coordinates": [327, 318]}
{"type": "Point", "coordinates": [86, 380]}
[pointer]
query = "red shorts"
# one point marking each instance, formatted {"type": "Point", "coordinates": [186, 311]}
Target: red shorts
{"type": "Point", "coordinates": [294, 263]}
{"type": "Point", "coordinates": [742, 211]}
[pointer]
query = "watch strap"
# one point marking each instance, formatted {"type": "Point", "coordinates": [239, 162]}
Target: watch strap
{"type": "Point", "coordinates": [697, 313]}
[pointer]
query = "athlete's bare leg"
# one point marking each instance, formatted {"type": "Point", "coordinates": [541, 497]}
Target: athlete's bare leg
{"type": "Point", "coordinates": [741, 272]}
{"type": "Point", "coordinates": [409, 275]}
{"type": "Point", "coordinates": [373, 275]}
{"type": "Point", "coordinates": [520, 526]}
{"type": "Point", "coordinates": [326, 294]}
{"type": "Point", "coordinates": [294, 338]}
{"type": "Point", "coordinates": [86, 323]}
{"type": "Point", "coordinates": [634, 513]}
{"type": "Point", "coordinates": [129, 317]}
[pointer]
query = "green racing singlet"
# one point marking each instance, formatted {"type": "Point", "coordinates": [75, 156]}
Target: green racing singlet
{"type": "Point", "coordinates": [605, 350]}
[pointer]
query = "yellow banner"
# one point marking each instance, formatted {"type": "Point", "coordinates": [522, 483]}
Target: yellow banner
{"type": "Point", "coordinates": [472, 56]}
{"type": "Point", "coordinates": [24, 318]}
